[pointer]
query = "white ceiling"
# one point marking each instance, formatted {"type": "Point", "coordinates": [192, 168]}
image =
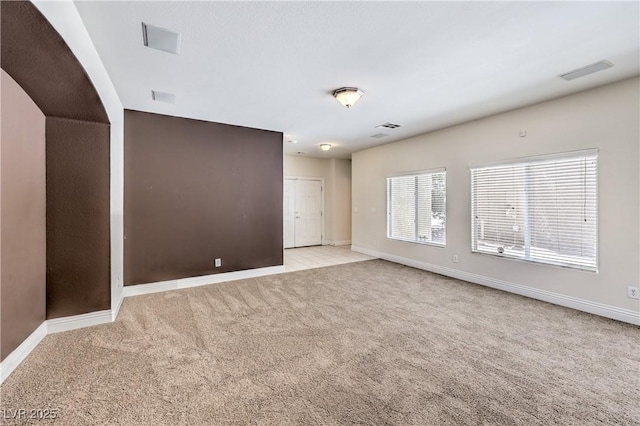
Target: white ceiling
{"type": "Point", "coordinates": [423, 65]}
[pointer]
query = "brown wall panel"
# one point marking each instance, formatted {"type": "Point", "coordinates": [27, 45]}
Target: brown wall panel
{"type": "Point", "coordinates": [196, 191]}
{"type": "Point", "coordinates": [78, 244]}
{"type": "Point", "coordinates": [36, 56]}
{"type": "Point", "coordinates": [22, 216]}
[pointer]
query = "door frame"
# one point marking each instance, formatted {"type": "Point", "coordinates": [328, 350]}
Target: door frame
{"type": "Point", "coordinates": [323, 240]}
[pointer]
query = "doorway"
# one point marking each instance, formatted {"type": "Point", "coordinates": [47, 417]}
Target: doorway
{"type": "Point", "coordinates": [303, 212]}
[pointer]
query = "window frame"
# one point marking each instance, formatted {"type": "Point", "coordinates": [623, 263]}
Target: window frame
{"type": "Point", "coordinates": [416, 174]}
{"type": "Point", "coordinates": [523, 161]}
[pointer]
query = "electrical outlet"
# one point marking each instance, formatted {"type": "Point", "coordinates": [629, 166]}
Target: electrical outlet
{"type": "Point", "coordinates": [455, 258]}
{"type": "Point", "coordinates": [633, 292]}
{"type": "Point", "coordinates": [374, 242]}
{"type": "Point", "coordinates": [218, 262]}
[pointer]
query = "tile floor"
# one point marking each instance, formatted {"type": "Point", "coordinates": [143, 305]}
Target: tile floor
{"type": "Point", "coordinates": [297, 259]}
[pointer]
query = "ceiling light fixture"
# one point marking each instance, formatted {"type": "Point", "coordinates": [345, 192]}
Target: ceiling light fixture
{"type": "Point", "coordinates": [325, 146]}
{"type": "Point", "coordinates": [348, 96]}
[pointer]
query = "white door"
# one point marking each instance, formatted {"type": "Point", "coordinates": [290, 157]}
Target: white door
{"type": "Point", "coordinates": [302, 213]}
{"type": "Point", "coordinates": [308, 230]}
{"type": "Point", "coordinates": [289, 213]}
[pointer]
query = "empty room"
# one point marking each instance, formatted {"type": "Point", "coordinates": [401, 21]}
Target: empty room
{"type": "Point", "coordinates": [327, 213]}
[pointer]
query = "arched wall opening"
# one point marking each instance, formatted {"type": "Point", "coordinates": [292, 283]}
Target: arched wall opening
{"type": "Point", "coordinates": [77, 179]}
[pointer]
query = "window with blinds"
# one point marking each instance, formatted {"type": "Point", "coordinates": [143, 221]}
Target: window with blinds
{"type": "Point", "coordinates": [542, 209]}
{"type": "Point", "coordinates": [416, 207]}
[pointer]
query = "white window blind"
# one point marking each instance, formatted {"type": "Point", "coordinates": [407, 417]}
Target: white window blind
{"type": "Point", "coordinates": [416, 207]}
{"type": "Point", "coordinates": [540, 209]}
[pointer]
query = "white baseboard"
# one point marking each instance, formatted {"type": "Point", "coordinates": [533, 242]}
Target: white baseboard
{"type": "Point", "coordinates": [608, 311]}
{"type": "Point", "coordinates": [57, 325]}
{"type": "Point", "coordinates": [114, 312]}
{"type": "Point", "coordinates": [51, 326]}
{"type": "Point", "coordinates": [21, 352]}
{"type": "Point", "coordinates": [136, 290]}
{"type": "Point", "coordinates": [336, 243]}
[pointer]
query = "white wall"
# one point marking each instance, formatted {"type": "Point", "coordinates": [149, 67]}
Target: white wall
{"type": "Point", "coordinates": [64, 17]}
{"type": "Point", "coordinates": [606, 118]}
{"type": "Point", "coordinates": [305, 166]}
{"type": "Point", "coordinates": [337, 192]}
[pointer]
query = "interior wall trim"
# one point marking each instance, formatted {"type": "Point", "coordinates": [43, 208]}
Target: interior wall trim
{"type": "Point", "coordinates": [608, 311]}
{"type": "Point", "coordinates": [116, 306]}
{"type": "Point", "coordinates": [15, 358]}
{"type": "Point", "coordinates": [19, 354]}
{"type": "Point", "coordinates": [57, 325]}
{"type": "Point", "coordinates": [139, 289]}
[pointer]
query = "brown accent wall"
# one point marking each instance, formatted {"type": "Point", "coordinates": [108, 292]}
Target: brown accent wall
{"type": "Point", "coordinates": [77, 161]}
{"type": "Point", "coordinates": [78, 243]}
{"type": "Point", "coordinates": [22, 216]}
{"type": "Point", "coordinates": [196, 191]}
{"type": "Point", "coordinates": [39, 60]}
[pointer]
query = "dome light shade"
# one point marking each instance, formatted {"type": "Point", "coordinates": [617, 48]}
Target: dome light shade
{"type": "Point", "coordinates": [325, 146]}
{"type": "Point", "coordinates": [348, 96]}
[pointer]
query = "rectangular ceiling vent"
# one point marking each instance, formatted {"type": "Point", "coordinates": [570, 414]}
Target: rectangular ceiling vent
{"type": "Point", "coordinates": [388, 126]}
{"type": "Point", "coordinates": [379, 135]}
{"type": "Point", "coordinates": [161, 39]}
{"type": "Point", "coordinates": [168, 98]}
{"type": "Point", "coordinates": [589, 69]}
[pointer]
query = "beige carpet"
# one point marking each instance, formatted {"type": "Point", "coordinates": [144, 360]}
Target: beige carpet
{"type": "Point", "coordinates": [363, 343]}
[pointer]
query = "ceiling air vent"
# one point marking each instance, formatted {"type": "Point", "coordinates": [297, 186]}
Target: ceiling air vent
{"type": "Point", "coordinates": [379, 135]}
{"type": "Point", "coordinates": [388, 126]}
{"type": "Point", "coordinates": [161, 39]}
{"type": "Point", "coordinates": [168, 98]}
{"type": "Point", "coordinates": [589, 69]}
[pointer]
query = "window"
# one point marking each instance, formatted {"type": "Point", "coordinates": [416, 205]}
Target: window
{"type": "Point", "coordinates": [543, 209]}
{"type": "Point", "coordinates": [416, 207]}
